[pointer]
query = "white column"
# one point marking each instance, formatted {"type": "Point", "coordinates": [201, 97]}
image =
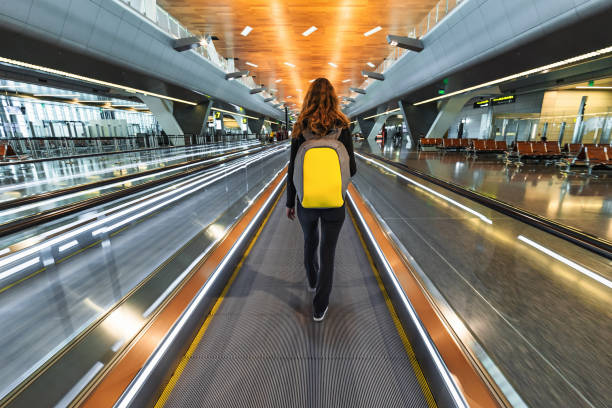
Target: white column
{"type": "Point", "coordinates": [162, 109]}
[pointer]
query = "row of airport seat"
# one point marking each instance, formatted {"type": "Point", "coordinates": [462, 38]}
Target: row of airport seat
{"type": "Point", "coordinates": [7, 152]}
{"type": "Point", "coordinates": [573, 154]}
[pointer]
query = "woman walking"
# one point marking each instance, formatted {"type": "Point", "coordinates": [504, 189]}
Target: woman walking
{"type": "Point", "coordinates": [322, 162]}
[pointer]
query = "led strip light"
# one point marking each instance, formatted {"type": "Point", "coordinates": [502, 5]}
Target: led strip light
{"type": "Point", "coordinates": [384, 113]}
{"type": "Point", "coordinates": [567, 262]}
{"type": "Point", "coordinates": [524, 73]}
{"type": "Point", "coordinates": [234, 113]}
{"type": "Point", "coordinates": [91, 80]}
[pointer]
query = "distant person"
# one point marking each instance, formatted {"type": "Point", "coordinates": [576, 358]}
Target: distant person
{"type": "Point", "coordinates": [322, 125]}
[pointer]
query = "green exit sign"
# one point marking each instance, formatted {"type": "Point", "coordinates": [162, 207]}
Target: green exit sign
{"type": "Point", "coordinates": [591, 83]}
{"type": "Point", "coordinates": [441, 91]}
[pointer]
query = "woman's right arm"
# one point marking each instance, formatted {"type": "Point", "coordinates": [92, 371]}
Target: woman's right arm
{"type": "Point", "coordinates": [347, 140]}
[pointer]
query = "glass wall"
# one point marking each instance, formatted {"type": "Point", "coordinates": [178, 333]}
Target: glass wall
{"type": "Point", "coordinates": [34, 111]}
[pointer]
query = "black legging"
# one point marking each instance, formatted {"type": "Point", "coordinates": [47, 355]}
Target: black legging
{"type": "Point", "coordinates": [331, 223]}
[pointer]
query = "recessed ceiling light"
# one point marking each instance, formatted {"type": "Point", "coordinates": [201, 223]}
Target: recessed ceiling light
{"type": "Point", "coordinates": [309, 31]}
{"type": "Point", "coordinates": [371, 65]}
{"type": "Point", "coordinates": [311, 81]}
{"type": "Point", "coordinates": [372, 31]}
{"type": "Point", "coordinates": [333, 65]}
{"type": "Point", "coordinates": [289, 64]}
{"type": "Point", "coordinates": [246, 31]}
{"type": "Point", "coordinates": [299, 90]}
{"type": "Point", "coordinates": [346, 80]}
{"type": "Point", "coordinates": [288, 96]}
{"type": "Point", "coordinates": [278, 80]}
{"type": "Point", "coordinates": [251, 64]}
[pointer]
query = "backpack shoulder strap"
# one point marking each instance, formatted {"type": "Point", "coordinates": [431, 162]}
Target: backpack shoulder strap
{"type": "Point", "coordinates": [333, 134]}
{"type": "Point", "coordinates": [307, 134]}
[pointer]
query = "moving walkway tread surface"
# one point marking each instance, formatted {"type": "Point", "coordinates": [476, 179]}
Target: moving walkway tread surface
{"type": "Point", "coordinates": [260, 346]}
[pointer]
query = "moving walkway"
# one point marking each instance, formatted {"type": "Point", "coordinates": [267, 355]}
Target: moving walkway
{"type": "Point", "coordinates": [433, 305]}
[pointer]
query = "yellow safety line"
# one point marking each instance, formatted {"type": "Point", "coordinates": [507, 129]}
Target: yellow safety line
{"type": "Point", "coordinates": [398, 324]}
{"type": "Point", "coordinates": [196, 341]}
{"type": "Point", "coordinates": [22, 279]}
{"type": "Point", "coordinates": [77, 252]}
{"type": "Point", "coordinates": [45, 268]}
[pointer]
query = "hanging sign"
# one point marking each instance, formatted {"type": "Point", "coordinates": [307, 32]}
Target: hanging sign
{"type": "Point", "coordinates": [502, 100]}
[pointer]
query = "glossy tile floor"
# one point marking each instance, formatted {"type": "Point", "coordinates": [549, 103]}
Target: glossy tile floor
{"type": "Point", "coordinates": [581, 202]}
{"type": "Point", "coordinates": [23, 180]}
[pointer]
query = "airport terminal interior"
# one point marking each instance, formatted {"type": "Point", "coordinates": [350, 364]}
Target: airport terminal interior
{"type": "Point", "coordinates": [146, 254]}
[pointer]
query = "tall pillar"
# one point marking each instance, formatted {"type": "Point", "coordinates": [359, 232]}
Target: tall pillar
{"type": "Point", "coordinates": [163, 111]}
{"type": "Point", "coordinates": [449, 109]}
{"type": "Point", "coordinates": [254, 125]}
{"type": "Point", "coordinates": [192, 119]}
{"type": "Point", "coordinates": [418, 119]}
{"type": "Point", "coordinates": [577, 137]}
{"type": "Point", "coordinates": [370, 127]}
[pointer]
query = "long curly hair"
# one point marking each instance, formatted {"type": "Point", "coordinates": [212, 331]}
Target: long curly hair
{"type": "Point", "coordinates": [320, 110]}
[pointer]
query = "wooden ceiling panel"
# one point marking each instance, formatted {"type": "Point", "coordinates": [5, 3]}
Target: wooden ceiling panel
{"type": "Point", "coordinates": [277, 37]}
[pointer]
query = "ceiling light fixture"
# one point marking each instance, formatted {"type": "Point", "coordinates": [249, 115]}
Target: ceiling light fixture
{"type": "Point", "coordinates": [247, 30]}
{"type": "Point", "coordinates": [333, 65]}
{"type": "Point", "coordinates": [270, 99]}
{"type": "Point", "coordinates": [369, 64]}
{"type": "Point", "coordinates": [289, 64]}
{"type": "Point", "coordinates": [299, 90]}
{"type": "Point", "coordinates": [311, 81]}
{"type": "Point", "coordinates": [594, 87]}
{"type": "Point", "coordinates": [358, 90]}
{"type": "Point", "coordinates": [256, 90]}
{"type": "Point", "coordinates": [287, 97]}
{"type": "Point", "coordinates": [346, 80]}
{"type": "Point", "coordinates": [251, 64]}
{"type": "Point", "coordinates": [408, 43]}
{"type": "Point", "coordinates": [373, 75]}
{"type": "Point", "coordinates": [186, 44]}
{"type": "Point", "coordinates": [278, 80]}
{"type": "Point", "coordinates": [372, 31]}
{"type": "Point", "coordinates": [309, 31]}
{"type": "Point", "coordinates": [237, 74]}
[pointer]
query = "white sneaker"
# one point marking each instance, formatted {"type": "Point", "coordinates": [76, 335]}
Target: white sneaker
{"type": "Point", "coordinates": [319, 318]}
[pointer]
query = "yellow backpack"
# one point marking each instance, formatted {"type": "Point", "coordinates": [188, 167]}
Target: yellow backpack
{"type": "Point", "coordinates": [321, 170]}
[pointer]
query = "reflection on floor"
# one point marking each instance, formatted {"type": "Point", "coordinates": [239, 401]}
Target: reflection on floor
{"type": "Point", "coordinates": [580, 202]}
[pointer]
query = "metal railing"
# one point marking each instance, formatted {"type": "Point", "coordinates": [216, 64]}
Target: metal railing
{"type": "Point", "coordinates": [171, 25]}
{"type": "Point", "coordinates": [53, 147]}
{"type": "Point", "coordinates": [435, 16]}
